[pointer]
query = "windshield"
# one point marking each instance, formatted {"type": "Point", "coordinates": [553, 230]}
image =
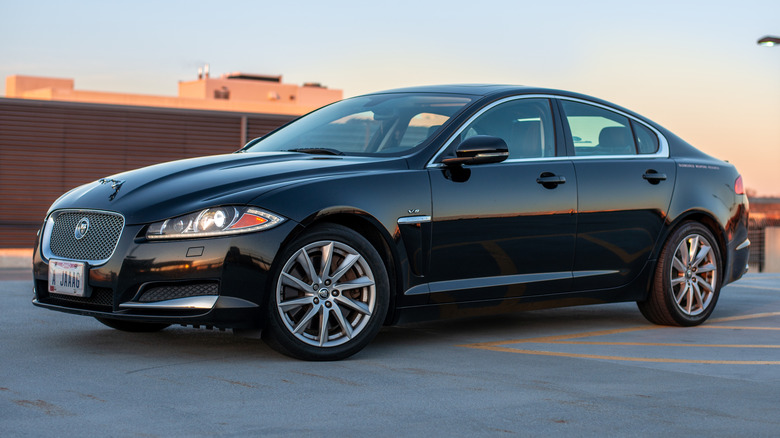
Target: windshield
{"type": "Point", "coordinates": [366, 125]}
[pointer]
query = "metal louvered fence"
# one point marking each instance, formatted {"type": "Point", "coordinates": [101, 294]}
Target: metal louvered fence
{"type": "Point", "coordinates": [47, 148]}
{"type": "Point", "coordinates": [764, 250]}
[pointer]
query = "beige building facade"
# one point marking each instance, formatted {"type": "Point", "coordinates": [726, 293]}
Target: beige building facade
{"type": "Point", "coordinates": [229, 92]}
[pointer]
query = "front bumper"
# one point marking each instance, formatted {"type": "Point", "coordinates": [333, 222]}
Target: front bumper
{"type": "Point", "coordinates": [218, 281]}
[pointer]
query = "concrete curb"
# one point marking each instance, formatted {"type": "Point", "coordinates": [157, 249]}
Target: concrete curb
{"type": "Point", "coordinates": [16, 258]}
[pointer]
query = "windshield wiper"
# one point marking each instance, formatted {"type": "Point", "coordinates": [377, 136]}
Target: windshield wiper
{"type": "Point", "coordinates": [317, 151]}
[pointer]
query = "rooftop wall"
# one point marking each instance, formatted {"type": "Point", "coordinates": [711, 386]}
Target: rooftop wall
{"type": "Point", "coordinates": [48, 148]}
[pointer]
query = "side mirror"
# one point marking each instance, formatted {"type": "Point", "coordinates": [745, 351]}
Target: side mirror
{"type": "Point", "coordinates": [479, 149]}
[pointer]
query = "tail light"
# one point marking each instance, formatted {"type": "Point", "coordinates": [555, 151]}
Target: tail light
{"type": "Point", "coordinates": [738, 187]}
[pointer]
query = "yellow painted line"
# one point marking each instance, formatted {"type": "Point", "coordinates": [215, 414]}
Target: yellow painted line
{"type": "Point", "coordinates": [737, 327]}
{"type": "Point", "coordinates": [549, 339]}
{"type": "Point", "coordinates": [661, 344]}
{"type": "Point", "coordinates": [742, 317]}
{"type": "Point", "coordinates": [750, 286]}
{"type": "Point", "coordinates": [627, 359]}
{"type": "Point", "coordinates": [566, 339]}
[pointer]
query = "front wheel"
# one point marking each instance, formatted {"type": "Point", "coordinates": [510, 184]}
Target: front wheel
{"type": "Point", "coordinates": [329, 297]}
{"type": "Point", "coordinates": [687, 278]}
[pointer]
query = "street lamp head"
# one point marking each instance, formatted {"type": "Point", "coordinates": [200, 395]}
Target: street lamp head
{"type": "Point", "coordinates": [769, 41]}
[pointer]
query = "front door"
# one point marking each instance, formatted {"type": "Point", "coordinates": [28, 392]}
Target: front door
{"type": "Point", "coordinates": [505, 230]}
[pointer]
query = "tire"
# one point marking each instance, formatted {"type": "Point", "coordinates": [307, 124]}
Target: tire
{"type": "Point", "coordinates": [687, 278]}
{"type": "Point", "coordinates": [328, 295]}
{"type": "Point", "coordinates": [132, 326]}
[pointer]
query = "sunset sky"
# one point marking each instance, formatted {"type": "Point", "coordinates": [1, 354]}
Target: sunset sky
{"type": "Point", "coordinates": [692, 66]}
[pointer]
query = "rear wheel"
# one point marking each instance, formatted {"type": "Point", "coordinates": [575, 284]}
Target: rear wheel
{"type": "Point", "coordinates": [687, 278]}
{"type": "Point", "coordinates": [329, 297]}
{"type": "Point", "coordinates": [132, 326]}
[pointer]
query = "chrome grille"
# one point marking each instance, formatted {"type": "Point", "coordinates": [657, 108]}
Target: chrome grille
{"type": "Point", "coordinates": [96, 245]}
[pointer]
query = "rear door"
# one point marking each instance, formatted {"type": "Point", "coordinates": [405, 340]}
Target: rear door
{"type": "Point", "coordinates": [624, 187]}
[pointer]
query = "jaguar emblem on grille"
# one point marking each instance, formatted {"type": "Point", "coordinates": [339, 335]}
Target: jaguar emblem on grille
{"type": "Point", "coordinates": [81, 228]}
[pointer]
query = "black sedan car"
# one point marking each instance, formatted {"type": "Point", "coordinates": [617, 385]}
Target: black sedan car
{"type": "Point", "coordinates": [410, 204]}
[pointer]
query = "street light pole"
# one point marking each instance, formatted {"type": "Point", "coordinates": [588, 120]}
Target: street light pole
{"type": "Point", "coordinates": [769, 41]}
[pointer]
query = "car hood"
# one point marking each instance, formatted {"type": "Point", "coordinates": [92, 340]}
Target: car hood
{"type": "Point", "coordinates": [170, 189]}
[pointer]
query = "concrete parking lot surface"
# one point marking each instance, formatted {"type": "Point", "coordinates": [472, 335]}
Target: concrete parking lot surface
{"type": "Point", "coordinates": [584, 371]}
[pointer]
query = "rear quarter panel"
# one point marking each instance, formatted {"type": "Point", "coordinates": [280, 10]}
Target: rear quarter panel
{"type": "Point", "coordinates": [705, 192]}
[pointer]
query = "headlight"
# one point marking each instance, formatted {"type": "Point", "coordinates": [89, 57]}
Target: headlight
{"type": "Point", "coordinates": [217, 221]}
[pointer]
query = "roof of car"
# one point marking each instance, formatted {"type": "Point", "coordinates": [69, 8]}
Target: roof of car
{"type": "Point", "coordinates": [470, 89]}
{"type": "Point", "coordinates": [496, 91]}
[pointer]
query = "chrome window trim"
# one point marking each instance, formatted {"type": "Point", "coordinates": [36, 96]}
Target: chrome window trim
{"type": "Point", "coordinates": [663, 144]}
{"type": "Point", "coordinates": [47, 229]}
{"type": "Point", "coordinates": [502, 280]}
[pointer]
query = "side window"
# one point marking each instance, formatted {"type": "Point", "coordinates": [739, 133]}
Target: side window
{"type": "Point", "coordinates": [646, 140]}
{"type": "Point", "coordinates": [525, 125]}
{"type": "Point", "coordinates": [596, 131]}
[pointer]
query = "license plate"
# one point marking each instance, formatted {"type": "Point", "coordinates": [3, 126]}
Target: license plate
{"type": "Point", "coordinates": [67, 278]}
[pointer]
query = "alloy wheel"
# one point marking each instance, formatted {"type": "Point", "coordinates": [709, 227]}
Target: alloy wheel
{"type": "Point", "coordinates": [694, 275]}
{"type": "Point", "coordinates": [326, 293]}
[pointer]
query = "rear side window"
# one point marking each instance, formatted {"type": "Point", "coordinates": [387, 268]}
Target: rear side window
{"type": "Point", "coordinates": [646, 140]}
{"type": "Point", "coordinates": [596, 131]}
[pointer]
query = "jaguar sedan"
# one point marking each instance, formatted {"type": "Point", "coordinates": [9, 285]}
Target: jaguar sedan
{"type": "Point", "coordinates": [404, 205]}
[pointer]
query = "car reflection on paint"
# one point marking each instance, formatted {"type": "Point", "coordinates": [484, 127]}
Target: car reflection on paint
{"type": "Point", "coordinates": [399, 206]}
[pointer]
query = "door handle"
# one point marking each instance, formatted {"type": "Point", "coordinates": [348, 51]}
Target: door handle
{"type": "Point", "coordinates": [550, 180]}
{"type": "Point", "coordinates": [653, 177]}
